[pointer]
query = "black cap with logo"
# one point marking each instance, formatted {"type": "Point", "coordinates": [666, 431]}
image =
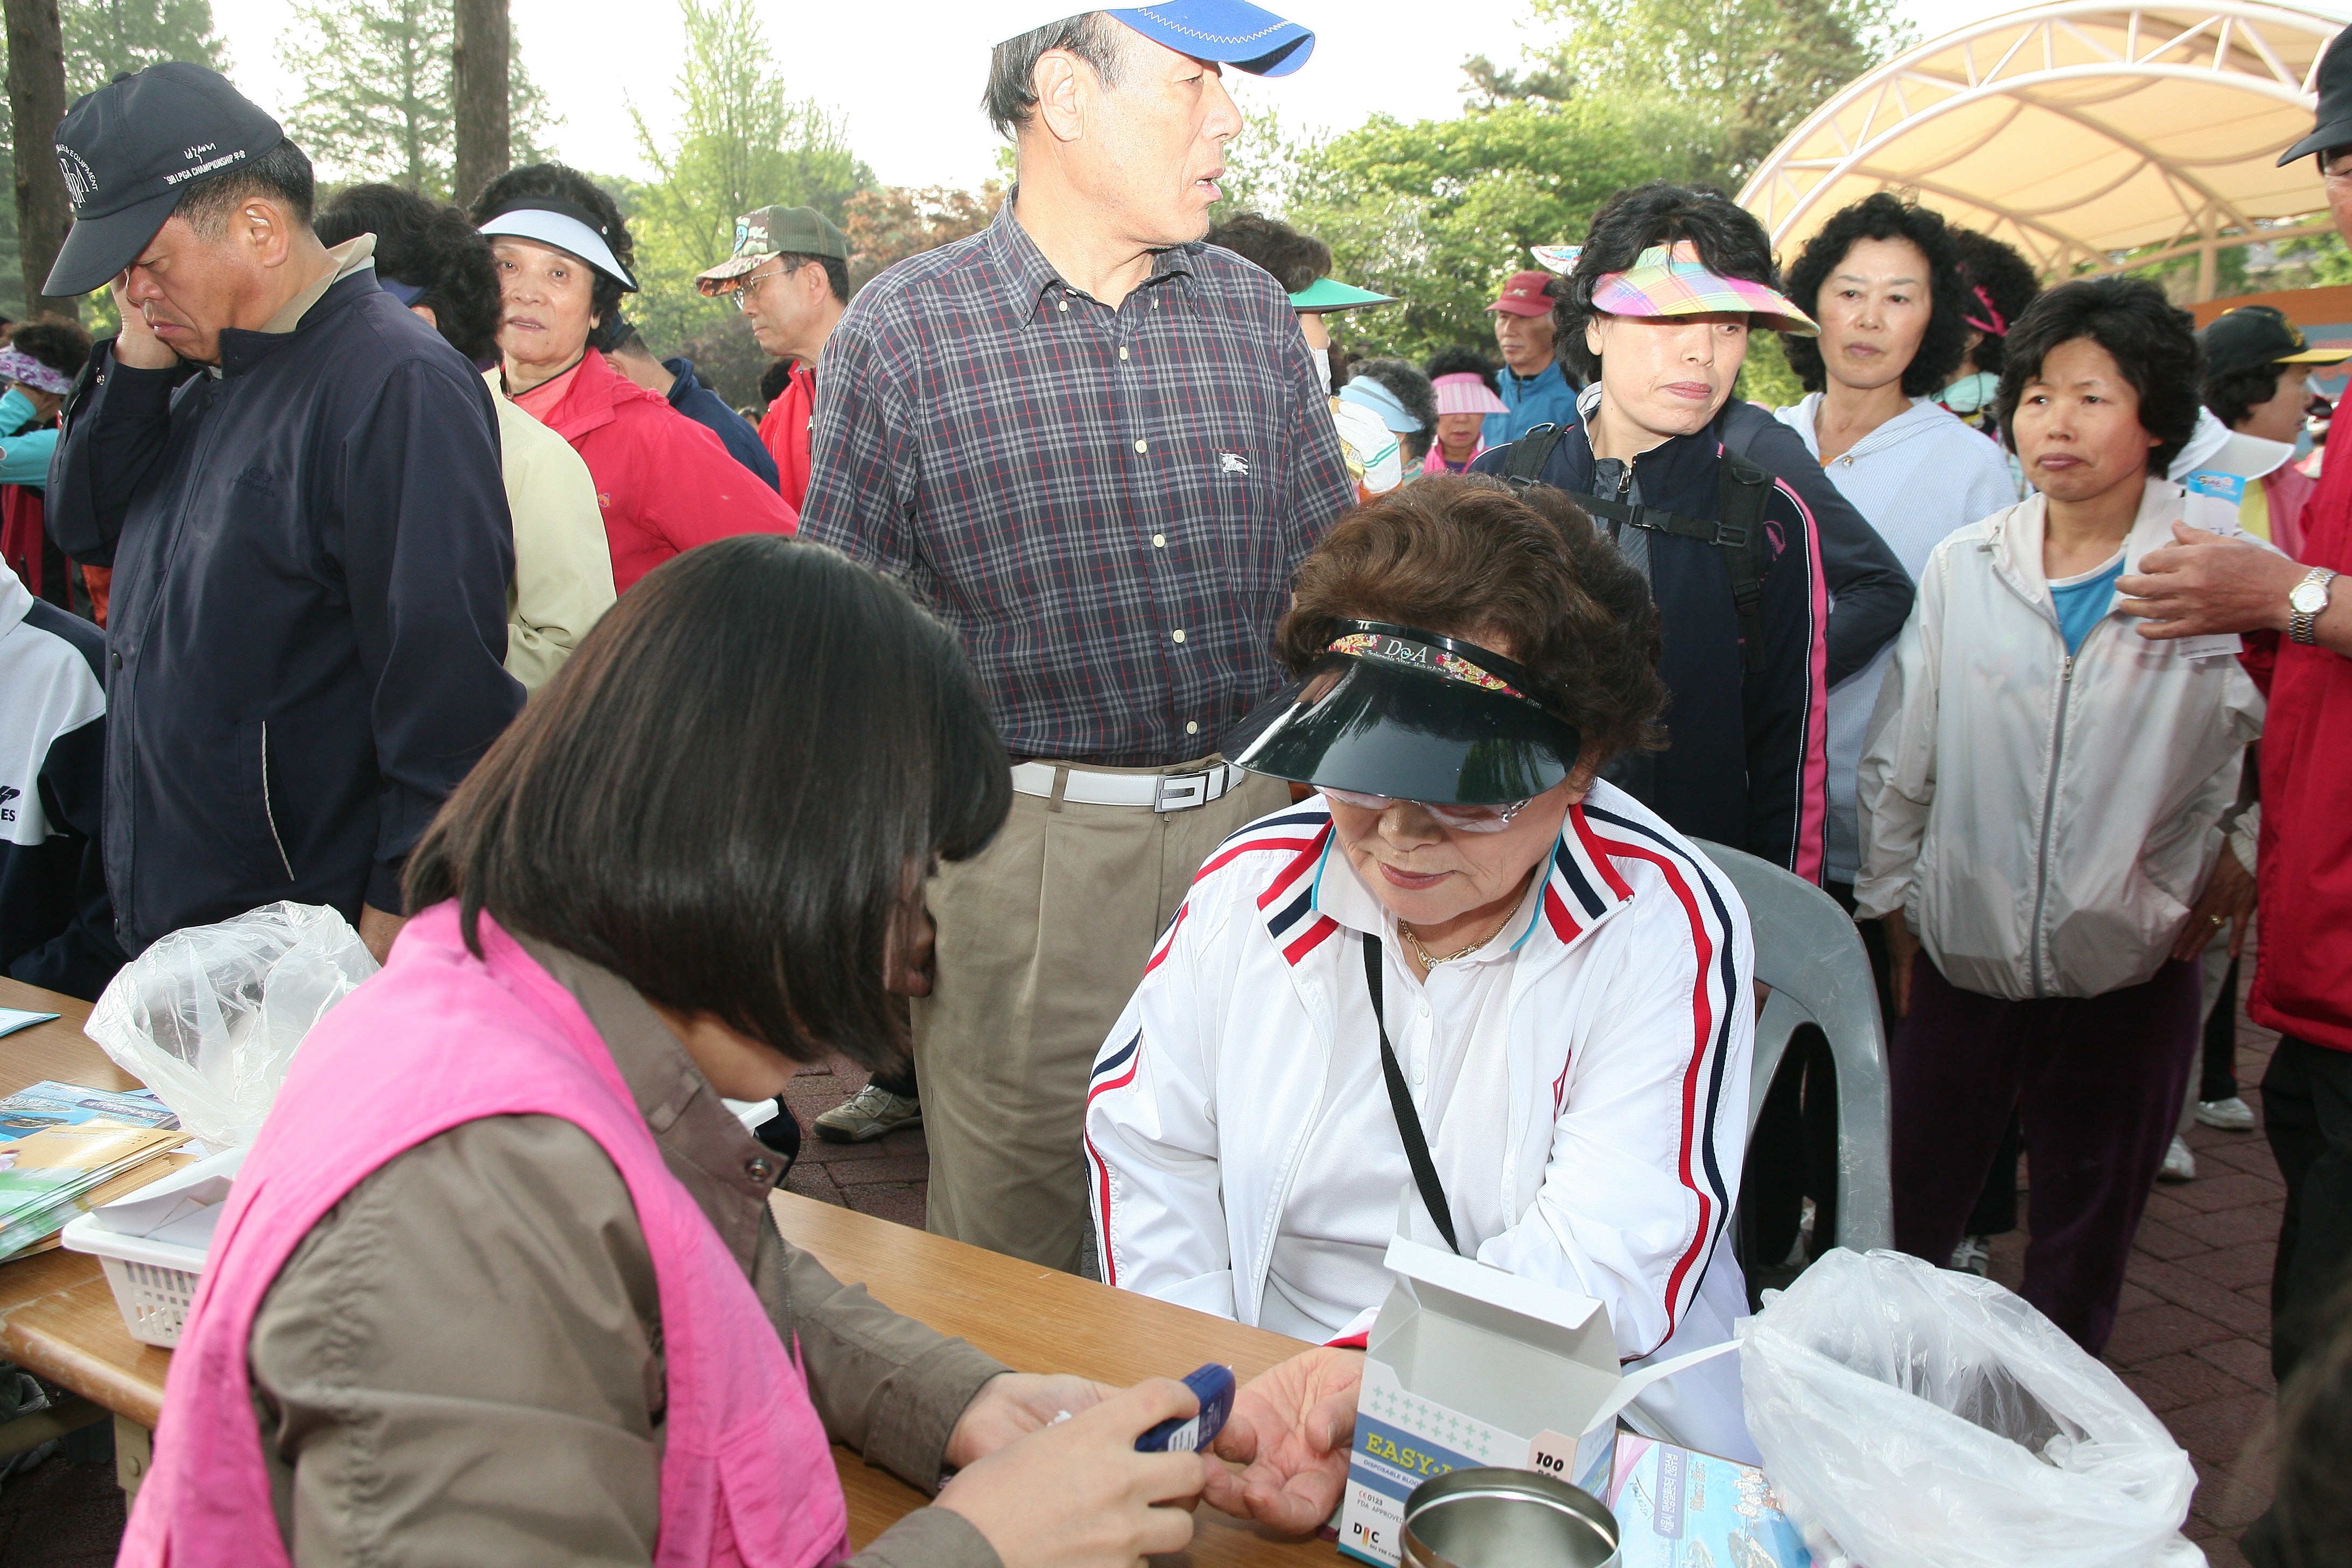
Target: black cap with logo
{"type": "Point", "coordinates": [2254, 335]}
{"type": "Point", "coordinates": [129, 151]}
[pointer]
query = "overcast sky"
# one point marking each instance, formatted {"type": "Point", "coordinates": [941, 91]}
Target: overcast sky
{"type": "Point", "coordinates": [911, 91]}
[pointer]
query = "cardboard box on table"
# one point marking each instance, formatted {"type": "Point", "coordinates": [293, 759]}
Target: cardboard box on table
{"type": "Point", "coordinates": [1467, 1365]}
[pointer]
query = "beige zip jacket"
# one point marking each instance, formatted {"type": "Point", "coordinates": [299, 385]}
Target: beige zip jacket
{"type": "Point", "coordinates": [563, 567]}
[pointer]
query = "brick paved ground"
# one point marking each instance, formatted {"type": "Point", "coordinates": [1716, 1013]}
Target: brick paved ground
{"type": "Point", "coordinates": [2194, 1336]}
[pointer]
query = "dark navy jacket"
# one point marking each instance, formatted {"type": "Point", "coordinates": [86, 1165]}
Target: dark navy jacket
{"type": "Point", "coordinates": [1746, 760]}
{"type": "Point", "coordinates": [704, 406]}
{"type": "Point", "coordinates": [310, 551]}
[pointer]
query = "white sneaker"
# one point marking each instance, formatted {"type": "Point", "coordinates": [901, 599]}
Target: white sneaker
{"type": "Point", "coordinates": [2230, 1115]}
{"type": "Point", "coordinates": [869, 1113]}
{"type": "Point", "coordinates": [1973, 1256]}
{"type": "Point", "coordinates": [2179, 1164]}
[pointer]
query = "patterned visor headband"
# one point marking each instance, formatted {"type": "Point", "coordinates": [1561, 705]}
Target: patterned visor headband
{"type": "Point", "coordinates": [15, 365]}
{"type": "Point", "coordinates": [1420, 655]}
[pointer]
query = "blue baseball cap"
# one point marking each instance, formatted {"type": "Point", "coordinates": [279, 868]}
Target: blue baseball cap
{"type": "Point", "coordinates": [1229, 32]}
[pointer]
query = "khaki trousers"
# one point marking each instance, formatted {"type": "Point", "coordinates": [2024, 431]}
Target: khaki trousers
{"type": "Point", "coordinates": [1042, 937]}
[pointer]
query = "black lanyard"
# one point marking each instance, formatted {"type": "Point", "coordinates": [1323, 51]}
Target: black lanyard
{"type": "Point", "coordinates": [1408, 1119]}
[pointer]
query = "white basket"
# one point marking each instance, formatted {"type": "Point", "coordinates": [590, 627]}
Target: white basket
{"type": "Point", "coordinates": [153, 1282]}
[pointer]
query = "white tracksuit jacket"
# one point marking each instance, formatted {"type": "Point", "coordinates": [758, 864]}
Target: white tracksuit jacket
{"type": "Point", "coordinates": [1604, 1160]}
{"type": "Point", "coordinates": [2045, 822]}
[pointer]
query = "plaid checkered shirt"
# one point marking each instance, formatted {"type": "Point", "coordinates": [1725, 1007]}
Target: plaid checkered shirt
{"type": "Point", "coordinates": [1107, 505]}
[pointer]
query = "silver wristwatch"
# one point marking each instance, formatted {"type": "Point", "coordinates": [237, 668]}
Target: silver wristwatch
{"type": "Point", "coordinates": [2306, 603]}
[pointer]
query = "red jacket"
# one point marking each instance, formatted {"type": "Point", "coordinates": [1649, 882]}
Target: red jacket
{"type": "Point", "coordinates": [2303, 981]}
{"type": "Point", "coordinates": [785, 431]}
{"type": "Point", "coordinates": [665, 483]}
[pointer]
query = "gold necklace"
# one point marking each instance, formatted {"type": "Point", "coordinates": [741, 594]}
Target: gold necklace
{"type": "Point", "coordinates": [1431, 961]}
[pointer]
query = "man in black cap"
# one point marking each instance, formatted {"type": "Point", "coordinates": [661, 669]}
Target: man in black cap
{"type": "Point", "coordinates": [2302, 975]}
{"type": "Point", "coordinates": [297, 484]}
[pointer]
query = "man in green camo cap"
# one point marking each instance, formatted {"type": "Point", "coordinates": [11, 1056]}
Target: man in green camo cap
{"type": "Point", "coordinates": [790, 275]}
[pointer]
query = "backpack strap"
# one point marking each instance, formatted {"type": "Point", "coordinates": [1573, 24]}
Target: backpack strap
{"type": "Point", "coordinates": [1530, 454]}
{"type": "Point", "coordinates": [1743, 490]}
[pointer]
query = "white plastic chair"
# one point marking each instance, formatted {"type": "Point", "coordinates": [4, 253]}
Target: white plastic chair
{"type": "Point", "coordinates": [1809, 952]}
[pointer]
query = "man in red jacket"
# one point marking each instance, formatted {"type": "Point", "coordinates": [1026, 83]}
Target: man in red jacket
{"type": "Point", "coordinates": [790, 274]}
{"type": "Point", "coordinates": [2302, 987]}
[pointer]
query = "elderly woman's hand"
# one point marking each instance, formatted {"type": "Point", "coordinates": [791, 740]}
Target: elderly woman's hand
{"type": "Point", "coordinates": [1291, 1427]}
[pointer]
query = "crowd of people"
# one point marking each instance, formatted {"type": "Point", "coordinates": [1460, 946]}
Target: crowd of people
{"type": "Point", "coordinates": [1218, 786]}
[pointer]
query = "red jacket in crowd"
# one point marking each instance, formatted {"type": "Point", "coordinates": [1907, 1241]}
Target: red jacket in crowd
{"type": "Point", "coordinates": [785, 431]}
{"type": "Point", "coordinates": [2303, 984]}
{"type": "Point", "coordinates": [665, 483]}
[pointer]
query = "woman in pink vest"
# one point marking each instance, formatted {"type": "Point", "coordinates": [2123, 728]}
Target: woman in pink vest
{"type": "Point", "coordinates": [499, 1282]}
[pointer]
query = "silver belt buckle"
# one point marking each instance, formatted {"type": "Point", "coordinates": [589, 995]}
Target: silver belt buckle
{"type": "Point", "coordinates": [1182, 792]}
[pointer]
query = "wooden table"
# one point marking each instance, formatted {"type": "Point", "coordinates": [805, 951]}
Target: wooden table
{"type": "Point", "coordinates": [59, 1319]}
{"type": "Point", "coordinates": [1034, 1319]}
{"type": "Point", "coordinates": [56, 1316]}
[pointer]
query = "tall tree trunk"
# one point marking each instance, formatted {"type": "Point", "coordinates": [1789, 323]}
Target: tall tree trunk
{"type": "Point", "coordinates": [483, 42]}
{"type": "Point", "coordinates": [36, 99]}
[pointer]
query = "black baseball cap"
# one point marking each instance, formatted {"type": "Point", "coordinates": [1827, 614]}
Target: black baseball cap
{"type": "Point", "coordinates": [1414, 715]}
{"type": "Point", "coordinates": [2331, 126]}
{"type": "Point", "coordinates": [129, 151]}
{"type": "Point", "coordinates": [2254, 335]}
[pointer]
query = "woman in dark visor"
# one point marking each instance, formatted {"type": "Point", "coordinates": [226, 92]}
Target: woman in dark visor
{"type": "Point", "coordinates": [1465, 973]}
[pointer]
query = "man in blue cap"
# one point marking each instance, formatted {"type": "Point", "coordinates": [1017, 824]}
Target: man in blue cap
{"type": "Point", "coordinates": [297, 483]}
{"type": "Point", "coordinates": [1100, 447]}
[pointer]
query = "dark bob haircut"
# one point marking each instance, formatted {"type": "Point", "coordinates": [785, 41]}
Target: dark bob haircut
{"type": "Point", "coordinates": [1296, 259]}
{"type": "Point", "coordinates": [1730, 240]}
{"type": "Point", "coordinates": [569, 185]}
{"type": "Point", "coordinates": [2010, 284]}
{"type": "Point", "coordinates": [429, 246]}
{"type": "Point", "coordinates": [1522, 572]}
{"type": "Point", "coordinates": [1882, 216]}
{"type": "Point", "coordinates": [727, 794]}
{"type": "Point", "coordinates": [2152, 342]}
{"type": "Point", "coordinates": [2233, 393]}
{"type": "Point", "coordinates": [1463, 360]}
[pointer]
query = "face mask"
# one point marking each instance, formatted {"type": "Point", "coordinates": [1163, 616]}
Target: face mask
{"type": "Point", "coordinates": [1322, 368]}
{"type": "Point", "coordinates": [16, 411]}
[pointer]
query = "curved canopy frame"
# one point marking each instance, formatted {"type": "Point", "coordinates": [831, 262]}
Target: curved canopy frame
{"type": "Point", "coordinates": [2076, 132]}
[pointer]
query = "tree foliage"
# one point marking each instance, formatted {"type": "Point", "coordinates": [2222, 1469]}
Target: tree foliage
{"type": "Point", "coordinates": [379, 90]}
{"type": "Point", "coordinates": [1753, 67]}
{"type": "Point", "coordinates": [741, 143]}
{"type": "Point", "coordinates": [887, 225]}
{"type": "Point", "coordinates": [106, 37]}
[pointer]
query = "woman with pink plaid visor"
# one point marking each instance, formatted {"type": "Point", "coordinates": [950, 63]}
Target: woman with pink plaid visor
{"type": "Point", "coordinates": [1467, 977]}
{"type": "Point", "coordinates": [1465, 395]}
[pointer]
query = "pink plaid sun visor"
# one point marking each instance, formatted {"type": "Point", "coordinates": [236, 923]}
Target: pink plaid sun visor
{"type": "Point", "coordinates": [1671, 280]}
{"type": "Point", "coordinates": [1466, 394]}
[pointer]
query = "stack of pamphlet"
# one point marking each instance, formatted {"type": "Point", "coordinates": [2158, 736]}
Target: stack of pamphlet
{"type": "Point", "coordinates": [64, 1149]}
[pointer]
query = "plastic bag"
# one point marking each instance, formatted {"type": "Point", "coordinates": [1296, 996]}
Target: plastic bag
{"type": "Point", "coordinates": [1926, 1418]}
{"type": "Point", "coordinates": [208, 1018]}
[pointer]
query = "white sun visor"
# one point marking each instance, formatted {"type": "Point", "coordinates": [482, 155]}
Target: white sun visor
{"type": "Point", "coordinates": [565, 232]}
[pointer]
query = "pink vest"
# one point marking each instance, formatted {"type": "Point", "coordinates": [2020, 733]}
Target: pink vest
{"type": "Point", "coordinates": [440, 1038]}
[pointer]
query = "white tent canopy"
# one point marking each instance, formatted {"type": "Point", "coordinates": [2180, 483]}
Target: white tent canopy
{"type": "Point", "coordinates": [2076, 132]}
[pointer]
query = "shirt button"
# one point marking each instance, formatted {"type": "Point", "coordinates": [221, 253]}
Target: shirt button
{"type": "Point", "coordinates": [1143, 445]}
{"type": "Point", "coordinates": [1065, 304]}
{"type": "Point", "coordinates": [1420, 1074]}
{"type": "Point", "coordinates": [1180, 636]}
{"type": "Point", "coordinates": [1424, 1009]}
{"type": "Point", "coordinates": [759, 1168]}
{"type": "Point", "coordinates": [118, 661]}
{"type": "Point", "coordinates": [1159, 541]}
{"type": "Point", "coordinates": [1192, 729]}
{"type": "Point", "coordinates": [1122, 354]}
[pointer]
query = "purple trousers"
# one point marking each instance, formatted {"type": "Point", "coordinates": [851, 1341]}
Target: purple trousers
{"type": "Point", "coordinates": [2097, 1082]}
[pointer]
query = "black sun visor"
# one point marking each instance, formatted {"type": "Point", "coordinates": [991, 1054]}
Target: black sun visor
{"type": "Point", "coordinates": [1413, 715]}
